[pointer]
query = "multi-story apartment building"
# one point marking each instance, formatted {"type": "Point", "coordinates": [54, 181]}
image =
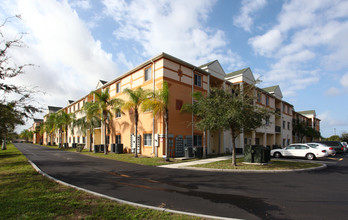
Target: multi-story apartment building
{"type": "Point", "coordinates": [35, 128]}
{"type": "Point", "coordinates": [183, 79]}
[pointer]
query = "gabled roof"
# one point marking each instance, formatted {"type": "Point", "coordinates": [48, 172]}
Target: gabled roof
{"type": "Point", "coordinates": [270, 89]}
{"type": "Point", "coordinates": [38, 120]}
{"type": "Point", "coordinates": [54, 108]}
{"type": "Point", "coordinates": [207, 64]}
{"type": "Point", "coordinates": [70, 101]}
{"type": "Point", "coordinates": [308, 112]}
{"type": "Point", "coordinates": [103, 81]}
{"type": "Point", "coordinates": [235, 73]}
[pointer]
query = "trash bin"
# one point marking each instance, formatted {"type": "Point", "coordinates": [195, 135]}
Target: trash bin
{"type": "Point", "coordinates": [74, 145]}
{"type": "Point", "coordinates": [113, 148]}
{"type": "Point", "coordinates": [198, 152]}
{"type": "Point", "coordinates": [119, 148]}
{"type": "Point", "coordinates": [188, 152]}
{"type": "Point", "coordinates": [96, 148]}
{"type": "Point", "coordinates": [101, 148]}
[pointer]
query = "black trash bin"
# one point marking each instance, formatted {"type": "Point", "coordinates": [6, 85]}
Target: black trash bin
{"type": "Point", "coordinates": [101, 148]}
{"type": "Point", "coordinates": [198, 152]}
{"type": "Point", "coordinates": [119, 148]}
{"type": "Point", "coordinates": [96, 148]}
{"type": "Point", "coordinates": [113, 148]}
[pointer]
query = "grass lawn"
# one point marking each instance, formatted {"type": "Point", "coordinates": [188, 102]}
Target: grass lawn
{"type": "Point", "coordinates": [150, 161]}
{"type": "Point", "coordinates": [25, 194]}
{"type": "Point", "coordinates": [273, 165]}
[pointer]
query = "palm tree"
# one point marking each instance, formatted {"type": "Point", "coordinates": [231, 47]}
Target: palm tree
{"type": "Point", "coordinates": [136, 98]}
{"type": "Point", "coordinates": [89, 121]}
{"type": "Point", "coordinates": [49, 126]}
{"type": "Point", "coordinates": [63, 120]}
{"type": "Point", "coordinates": [26, 134]}
{"type": "Point", "coordinates": [158, 103]}
{"type": "Point", "coordinates": [104, 106]}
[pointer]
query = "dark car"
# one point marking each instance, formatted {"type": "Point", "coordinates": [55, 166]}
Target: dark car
{"type": "Point", "coordinates": [336, 145]}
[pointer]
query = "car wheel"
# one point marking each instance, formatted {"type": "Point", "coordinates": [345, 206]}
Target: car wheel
{"type": "Point", "coordinates": [277, 155]}
{"type": "Point", "coordinates": [334, 154]}
{"type": "Point", "coordinates": [310, 156]}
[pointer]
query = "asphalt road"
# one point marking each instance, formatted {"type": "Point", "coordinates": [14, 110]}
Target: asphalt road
{"type": "Point", "coordinates": [318, 194]}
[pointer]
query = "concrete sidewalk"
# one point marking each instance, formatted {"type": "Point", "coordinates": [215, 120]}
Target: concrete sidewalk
{"type": "Point", "coordinates": [202, 161]}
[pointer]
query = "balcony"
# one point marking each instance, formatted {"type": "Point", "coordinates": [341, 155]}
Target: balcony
{"type": "Point", "coordinates": [277, 129]}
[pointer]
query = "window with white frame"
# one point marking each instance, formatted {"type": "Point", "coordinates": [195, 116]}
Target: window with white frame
{"type": "Point", "coordinates": [147, 139]}
{"type": "Point", "coordinates": [198, 80]}
{"type": "Point", "coordinates": [78, 139]}
{"type": "Point", "coordinates": [84, 139]}
{"type": "Point", "coordinates": [147, 74]}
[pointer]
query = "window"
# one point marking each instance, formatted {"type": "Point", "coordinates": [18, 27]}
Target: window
{"type": "Point", "coordinates": [267, 101]}
{"type": "Point", "coordinates": [83, 139]}
{"type": "Point", "coordinates": [259, 97]}
{"type": "Point", "coordinates": [147, 139]}
{"type": "Point", "coordinates": [288, 125]}
{"type": "Point", "coordinates": [78, 139]}
{"type": "Point", "coordinates": [178, 104]}
{"type": "Point", "coordinates": [69, 139]}
{"type": "Point", "coordinates": [74, 108]}
{"type": "Point", "coordinates": [197, 140]}
{"type": "Point", "coordinates": [78, 106]}
{"type": "Point", "coordinates": [284, 124]}
{"type": "Point", "coordinates": [267, 121]}
{"type": "Point", "coordinates": [118, 114]}
{"type": "Point", "coordinates": [118, 139]}
{"type": "Point", "coordinates": [118, 87]}
{"type": "Point", "coordinates": [148, 74]}
{"type": "Point", "coordinates": [74, 140]}
{"type": "Point", "coordinates": [198, 80]}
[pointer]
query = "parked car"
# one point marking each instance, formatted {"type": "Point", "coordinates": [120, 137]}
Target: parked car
{"type": "Point", "coordinates": [345, 145]}
{"type": "Point", "coordinates": [336, 145]}
{"type": "Point", "coordinates": [329, 149]}
{"type": "Point", "coordinates": [299, 150]}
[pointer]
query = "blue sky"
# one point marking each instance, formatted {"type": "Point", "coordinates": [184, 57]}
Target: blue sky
{"type": "Point", "coordinates": [300, 45]}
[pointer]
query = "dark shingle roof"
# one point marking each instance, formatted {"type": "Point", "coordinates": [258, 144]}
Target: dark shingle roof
{"type": "Point", "coordinates": [54, 108]}
{"type": "Point", "coordinates": [270, 89]}
{"type": "Point", "coordinates": [207, 64]}
{"type": "Point", "coordinates": [103, 81]}
{"type": "Point", "coordinates": [235, 73]}
{"type": "Point", "coordinates": [71, 101]}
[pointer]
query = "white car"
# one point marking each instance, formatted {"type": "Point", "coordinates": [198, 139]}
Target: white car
{"type": "Point", "coordinates": [329, 149]}
{"type": "Point", "coordinates": [299, 150]}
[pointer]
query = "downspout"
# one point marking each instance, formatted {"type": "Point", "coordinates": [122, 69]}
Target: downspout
{"type": "Point", "coordinates": [193, 79]}
{"type": "Point", "coordinates": [208, 132]}
{"type": "Point", "coordinates": [154, 148]}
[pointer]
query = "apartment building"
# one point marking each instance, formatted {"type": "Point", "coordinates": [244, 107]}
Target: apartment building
{"type": "Point", "coordinates": [47, 137]}
{"type": "Point", "coordinates": [183, 79]}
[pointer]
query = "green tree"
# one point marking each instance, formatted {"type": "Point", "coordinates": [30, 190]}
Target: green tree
{"type": "Point", "coordinates": [334, 138]}
{"type": "Point", "coordinates": [89, 121]}
{"type": "Point", "coordinates": [26, 134]}
{"type": "Point", "coordinates": [344, 137]}
{"type": "Point", "coordinates": [300, 129]}
{"type": "Point", "coordinates": [136, 98]}
{"type": "Point", "coordinates": [222, 109]}
{"type": "Point", "coordinates": [104, 108]}
{"type": "Point", "coordinates": [9, 118]}
{"type": "Point", "coordinates": [158, 103]}
{"type": "Point", "coordinates": [63, 120]}
{"type": "Point", "coordinates": [49, 126]}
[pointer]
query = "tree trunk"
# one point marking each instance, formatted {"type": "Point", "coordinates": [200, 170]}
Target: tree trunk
{"type": "Point", "coordinates": [234, 163]}
{"type": "Point", "coordinates": [166, 134]}
{"type": "Point", "coordinates": [66, 135]}
{"type": "Point", "coordinates": [136, 132]}
{"type": "Point", "coordinates": [4, 144]}
{"type": "Point", "coordinates": [204, 144]}
{"type": "Point", "coordinates": [90, 138]}
{"type": "Point", "coordinates": [219, 141]}
{"type": "Point", "coordinates": [105, 145]}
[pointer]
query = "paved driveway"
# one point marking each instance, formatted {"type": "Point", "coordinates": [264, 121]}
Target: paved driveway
{"type": "Point", "coordinates": [304, 195]}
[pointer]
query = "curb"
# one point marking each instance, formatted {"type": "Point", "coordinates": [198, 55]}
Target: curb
{"type": "Point", "coordinates": [124, 201]}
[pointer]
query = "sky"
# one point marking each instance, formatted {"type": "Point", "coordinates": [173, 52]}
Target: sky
{"type": "Point", "coordinates": [299, 45]}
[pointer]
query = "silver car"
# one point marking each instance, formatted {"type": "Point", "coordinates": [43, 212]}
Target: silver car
{"type": "Point", "coordinates": [328, 149]}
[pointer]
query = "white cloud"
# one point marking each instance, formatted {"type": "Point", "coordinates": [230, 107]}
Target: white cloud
{"type": "Point", "coordinates": [344, 80]}
{"type": "Point", "coordinates": [175, 27]}
{"type": "Point", "coordinates": [84, 4]}
{"type": "Point", "coordinates": [69, 61]}
{"type": "Point", "coordinates": [333, 91]}
{"type": "Point", "coordinates": [309, 35]}
{"type": "Point", "coordinates": [266, 44]}
{"type": "Point", "coordinates": [249, 7]}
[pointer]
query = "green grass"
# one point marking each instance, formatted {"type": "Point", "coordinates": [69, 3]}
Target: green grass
{"type": "Point", "coordinates": [143, 160]}
{"type": "Point", "coordinates": [273, 165]}
{"type": "Point", "coordinates": [25, 194]}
